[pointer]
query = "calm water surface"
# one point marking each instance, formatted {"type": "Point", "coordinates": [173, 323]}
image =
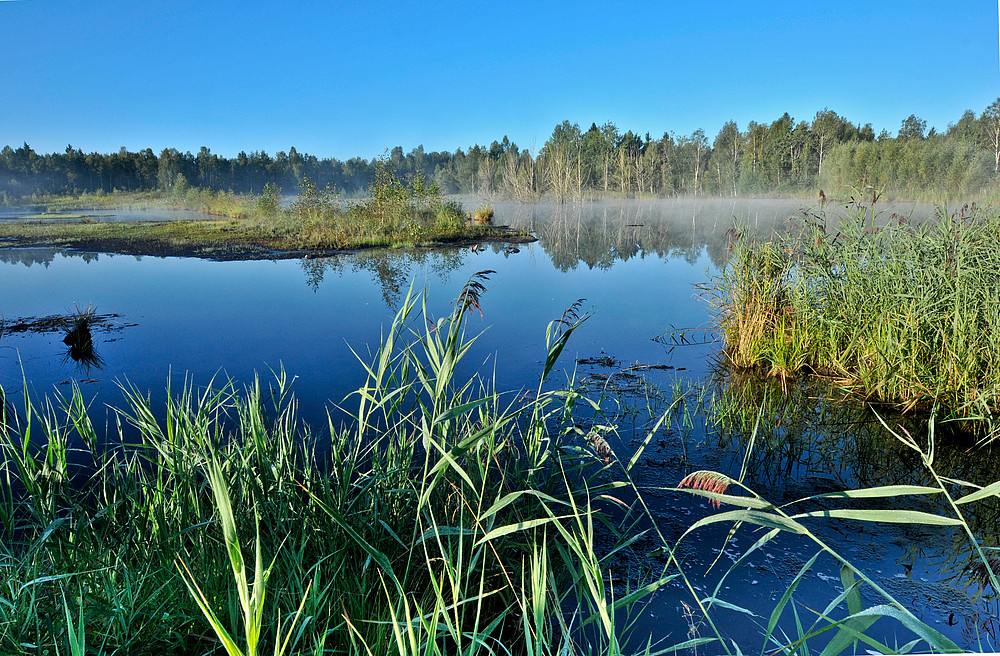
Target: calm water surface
{"type": "Point", "coordinates": [635, 264]}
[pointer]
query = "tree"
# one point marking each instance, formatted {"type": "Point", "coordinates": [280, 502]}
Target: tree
{"type": "Point", "coordinates": [991, 129]}
{"type": "Point", "coordinates": [912, 128]}
{"type": "Point", "coordinates": [169, 166]}
{"type": "Point", "coordinates": [966, 129]}
{"type": "Point", "coordinates": [561, 160]}
{"type": "Point", "coordinates": [829, 129]}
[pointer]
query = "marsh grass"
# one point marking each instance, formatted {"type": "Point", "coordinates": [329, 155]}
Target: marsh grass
{"type": "Point", "coordinates": [896, 312]}
{"type": "Point", "coordinates": [483, 215]}
{"type": "Point", "coordinates": [394, 213]}
{"type": "Point", "coordinates": [443, 520]}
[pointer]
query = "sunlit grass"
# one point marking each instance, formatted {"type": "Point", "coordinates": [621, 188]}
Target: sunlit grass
{"type": "Point", "coordinates": [393, 214]}
{"type": "Point", "coordinates": [443, 519]}
{"type": "Point", "coordinates": [898, 313]}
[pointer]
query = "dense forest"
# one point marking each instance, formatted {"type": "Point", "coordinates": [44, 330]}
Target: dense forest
{"type": "Point", "coordinates": [783, 157]}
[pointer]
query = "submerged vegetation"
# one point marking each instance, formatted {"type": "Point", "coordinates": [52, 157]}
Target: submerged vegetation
{"type": "Point", "coordinates": [392, 214]}
{"type": "Point", "coordinates": [895, 311]}
{"type": "Point", "coordinates": [444, 519]}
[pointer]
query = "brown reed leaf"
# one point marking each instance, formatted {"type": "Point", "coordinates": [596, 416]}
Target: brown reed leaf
{"type": "Point", "coordinates": [601, 446]}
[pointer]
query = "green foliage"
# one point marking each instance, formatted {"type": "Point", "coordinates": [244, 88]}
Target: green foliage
{"type": "Point", "coordinates": [444, 520]}
{"type": "Point", "coordinates": [269, 200]}
{"type": "Point", "coordinates": [314, 204]}
{"type": "Point", "coordinates": [395, 214]}
{"type": "Point", "coordinates": [410, 534]}
{"type": "Point", "coordinates": [901, 313]}
{"type": "Point", "coordinates": [786, 156]}
{"type": "Point", "coordinates": [483, 215]}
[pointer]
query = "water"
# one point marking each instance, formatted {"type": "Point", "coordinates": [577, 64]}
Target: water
{"type": "Point", "coordinates": [35, 213]}
{"type": "Point", "coordinates": [636, 265]}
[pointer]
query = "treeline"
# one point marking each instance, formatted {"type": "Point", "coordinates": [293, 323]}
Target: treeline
{"type": "Point", "coordinates": [784, 157]}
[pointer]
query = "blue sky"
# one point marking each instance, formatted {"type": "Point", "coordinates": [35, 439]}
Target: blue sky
{"type": "Point", "coordinates": [343, 79]}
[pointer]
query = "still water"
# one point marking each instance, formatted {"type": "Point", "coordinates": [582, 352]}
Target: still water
{"type": "Point", "coordinates": [636, 265]}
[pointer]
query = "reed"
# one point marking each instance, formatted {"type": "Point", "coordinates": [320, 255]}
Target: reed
{"type": "Point", "coordinates": [393, 214]}
{"type": "Point", "coordinates": [443, 520]}
{"type": "Point", "coordinates": [895, 311]}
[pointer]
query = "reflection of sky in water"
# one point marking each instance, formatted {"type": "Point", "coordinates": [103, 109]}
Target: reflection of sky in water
{"type": "Point", "coordinates": [199, 318]}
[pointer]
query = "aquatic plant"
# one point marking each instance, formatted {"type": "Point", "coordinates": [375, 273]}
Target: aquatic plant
{"type": "Point", "coordinates": [80, 340]}
{"type": "Point", "coordinates": [896, 312]}
{"type": "Point", "coordinates": [483, 215]}
{"type": "Point", "coordinates": [442, 520]}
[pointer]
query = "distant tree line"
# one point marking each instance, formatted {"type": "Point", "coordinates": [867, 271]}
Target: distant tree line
{"type": "Point", "coordinates": [784, 156]}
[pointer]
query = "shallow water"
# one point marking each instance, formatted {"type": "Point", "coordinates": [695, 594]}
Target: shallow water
{"type": "Point", "coordinates": [105, 215]}
{"type": "Point", "coordinates": [636, 264]}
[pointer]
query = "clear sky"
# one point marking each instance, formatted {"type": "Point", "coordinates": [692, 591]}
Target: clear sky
{"type": "Point", "coordinates": [350, 78]}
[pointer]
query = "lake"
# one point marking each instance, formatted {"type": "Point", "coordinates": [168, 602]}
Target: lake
{"type": "Point", "coordinates": [637, 266]}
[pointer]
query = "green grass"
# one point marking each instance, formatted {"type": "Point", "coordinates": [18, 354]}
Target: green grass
{"type": "Point", "coordinates": [896, 312]}
{"type": "Point", "coordinates": [443, 519]}
{"type": "Point", "coordinates": [393, 214]}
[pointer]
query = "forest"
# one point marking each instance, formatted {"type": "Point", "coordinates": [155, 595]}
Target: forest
{"type": "Point", "coordinates": [784, 157]}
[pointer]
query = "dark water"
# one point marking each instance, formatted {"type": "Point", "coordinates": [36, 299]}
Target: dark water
{"type": "Point", "coordinates": [636, 265]}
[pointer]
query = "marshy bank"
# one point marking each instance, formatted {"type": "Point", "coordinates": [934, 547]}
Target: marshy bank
{"type": "Point", "coordinates": [897, 311]}
{"type": "Point", "coordinates": [394, 214]}
{"type": "Point", "coordinates": [443, 519]}
{"type": "Point", "coordinates": [448, 517]}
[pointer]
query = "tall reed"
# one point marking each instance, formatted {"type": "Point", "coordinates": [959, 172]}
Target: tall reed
{"type": "Point", "coordinates": [896, 311]}
{"type": "Point", "coordinates": [444, 520]}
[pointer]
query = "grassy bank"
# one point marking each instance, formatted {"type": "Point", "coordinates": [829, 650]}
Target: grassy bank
{"type": "Point", "coordinates": [896, 312]}
{"type": "Point", "coordinates": [393, 215]}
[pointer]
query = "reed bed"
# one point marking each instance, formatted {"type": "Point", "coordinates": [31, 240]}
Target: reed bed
{"type": "Point", "coordinates": [393, 214]}
{"type": "Point", "coordinates": [895, 311]}
{"type": "Point", "coordinates": [443, 520]}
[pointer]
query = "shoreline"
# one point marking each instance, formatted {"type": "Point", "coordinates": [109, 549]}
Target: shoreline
{"type": "Point", "coordinates": [229, 248]}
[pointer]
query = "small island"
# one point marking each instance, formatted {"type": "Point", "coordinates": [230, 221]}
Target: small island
{"type": "Point", "coordinates": [394, 214]}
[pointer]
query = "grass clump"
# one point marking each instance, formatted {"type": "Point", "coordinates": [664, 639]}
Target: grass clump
{"type": "Point", "coordinates": [483, 215]}
{"type": "Point", "coordinates": [442, 520]}
{"type": "Point", "coordinates": [897, 312]}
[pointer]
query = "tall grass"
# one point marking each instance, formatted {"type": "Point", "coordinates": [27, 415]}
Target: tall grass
{"type": "Point", "coordinates": [897, 312]}
{"type": "Point", "coordinates": [444, 520]}
{"type": "Point", "coordinates": [394, 213]}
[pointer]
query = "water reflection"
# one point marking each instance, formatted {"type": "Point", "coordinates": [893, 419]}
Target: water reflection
{"type": "Point", "coordinates": [78, 334]}
{"type": "Point", "coordinates": [601, 234]}
{"type": "Point", "coordinates": [597, 235]}
{"type": "Point", "coordinates": [391, 270]}
{"type": "Point", "coordinates": [636, 262]}
{"type": "Point", "coordinates": [81, 342]}
{"type": "Point", "coordinates": [43, 256]}
{"type": "Point", "coordinates": [807, 438]}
